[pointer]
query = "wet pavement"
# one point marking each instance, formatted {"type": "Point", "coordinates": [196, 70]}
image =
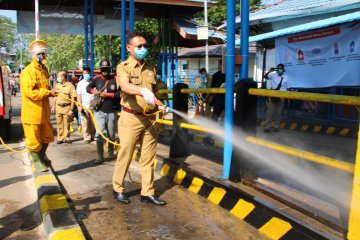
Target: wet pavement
{"type": "Point", "coordinates": [186, 215]}
{"type": "Point", "coordinates": [19, 212]}
{"type": "Point", "coordinates": [88, 186]}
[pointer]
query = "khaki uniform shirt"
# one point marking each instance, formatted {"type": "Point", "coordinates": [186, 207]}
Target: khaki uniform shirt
{"type": "Point", "coordinates": [141, 76]}
{"type": "Point", "coordinates": [66, 90]}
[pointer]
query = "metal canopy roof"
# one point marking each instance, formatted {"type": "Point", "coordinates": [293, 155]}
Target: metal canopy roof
{"type": "Point", "coordinates": [294, 8]}
{"type": "Point", "coordinates": [66, 16]}
{"type": "Point", "coordinates": [305, 27]}
{"type": "Point", "coordinates": [187, 6]}
{"type": "Point", "coordinates": [290, 9]}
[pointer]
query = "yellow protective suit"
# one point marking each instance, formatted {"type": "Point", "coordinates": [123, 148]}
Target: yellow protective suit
{"type": "Point", "coordinates": [35, 109]}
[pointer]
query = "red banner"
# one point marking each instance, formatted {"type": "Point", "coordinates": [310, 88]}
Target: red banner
{"type": "Point", "coordinates": [313, 35]}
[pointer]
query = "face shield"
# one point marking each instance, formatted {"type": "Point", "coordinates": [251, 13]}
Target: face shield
{"type": "Point", "coordinates": [37, 47]}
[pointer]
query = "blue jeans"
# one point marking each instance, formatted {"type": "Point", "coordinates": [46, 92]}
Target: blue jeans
{"type": "Point", "coordinates": [107, 124]}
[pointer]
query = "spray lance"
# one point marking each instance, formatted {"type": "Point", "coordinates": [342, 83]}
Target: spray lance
{"type": "Point", "coordinates": [161, 106]}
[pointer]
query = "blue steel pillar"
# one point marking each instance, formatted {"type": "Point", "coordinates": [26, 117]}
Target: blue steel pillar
{"type": "Point", "coordinates": [132, 16]}
{"type": "Point", "coordinates": [86, 33]}
{"type": "Point", "coordinates": [244, 36]}
{"type": "Point", "coordinates": [92, 36]}
{"type": "Point", "coordinates": [245, 116]}
{"type": "Point", "coordinates": [229, 96]}
{"type": "Point", "coordinates": [123, 30]}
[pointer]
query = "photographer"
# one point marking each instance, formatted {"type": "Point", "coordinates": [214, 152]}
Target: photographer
{"type": "Point", "coordinates": [279, 81]}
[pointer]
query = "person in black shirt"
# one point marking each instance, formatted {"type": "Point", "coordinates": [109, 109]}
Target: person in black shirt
{"type": "Point", "coordinates": [106, 115]}
{"type": "Point", "coordinates": [218, 102]}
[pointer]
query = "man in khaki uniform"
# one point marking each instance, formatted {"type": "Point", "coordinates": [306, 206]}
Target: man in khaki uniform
{"type": "Point", "coordinates": [63, 107]}
{"type": "Point", "coordinates": [137, 82]}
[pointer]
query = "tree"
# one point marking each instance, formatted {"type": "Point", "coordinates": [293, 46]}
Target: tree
{"type": "Point", "coordinates": [7, 33]}
{"type": "Point", "coordinates": [217, 13]}
{"type": "Point", "coordinates": [149, 27]}
{"type": "Point", "coordinates": [66, 51]}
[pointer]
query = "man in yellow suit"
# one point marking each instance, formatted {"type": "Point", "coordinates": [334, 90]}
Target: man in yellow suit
{"type": "Point", "coordinates": [35, 109]}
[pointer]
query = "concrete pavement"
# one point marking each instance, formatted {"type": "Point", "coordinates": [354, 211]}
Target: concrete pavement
{"type": "Point", "coordinates": [187, 215]}
{"type": "Point", "coordinates": [19, 212]}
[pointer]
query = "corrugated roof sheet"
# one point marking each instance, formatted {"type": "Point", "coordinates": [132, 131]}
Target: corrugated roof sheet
{"type": "Point", "coordinates": [286, 9]}
{"type": "Point", "coordinates": [191, 29]}
{"type": "Point", "coordinates": [214, 51]}
{"type": "Point", "coordinates": [296, 7]}
{"type": "Point", "coordinates": [211, 2]}
{"type": "Point", "coordinates": [305, 27]}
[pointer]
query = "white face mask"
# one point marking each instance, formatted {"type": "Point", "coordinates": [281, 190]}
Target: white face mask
{"type": "Point", "coordinates": [58, 80]}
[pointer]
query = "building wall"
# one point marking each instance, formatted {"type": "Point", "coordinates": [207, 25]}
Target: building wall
{"type": "Point", "coordinates": [195, 64]}
{"type": "Point", "coordinates": [258, 63]}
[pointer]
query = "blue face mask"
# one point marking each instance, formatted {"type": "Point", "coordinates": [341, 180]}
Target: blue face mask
{"type": "Point", "coordinates": [140, 53]}
{"type": "Point", "coordinates": [158, 77]}
{"type": "Point", "coordinates": [87, 77]}
{"type": "Point", "coordinates": [280, 71]}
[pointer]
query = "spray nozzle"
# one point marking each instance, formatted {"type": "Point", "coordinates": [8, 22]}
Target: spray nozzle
{"type": "Point", "coordinates": [161, 105]}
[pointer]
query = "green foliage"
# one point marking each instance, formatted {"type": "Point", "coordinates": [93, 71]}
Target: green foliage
{"type": "Point", "coordinates": [149, 27]}
{"type": "Point", "coordinates": [66, 51]}
{"type": "Point", "coordinates": [217, 13]}
{"type": "Point", "coordinates": [7, 33]}
{"type": "Point", "coordinates": [107, 47]}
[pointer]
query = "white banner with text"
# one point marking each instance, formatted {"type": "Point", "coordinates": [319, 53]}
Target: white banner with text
{"type": "Point", "coordinates": [322, 58]}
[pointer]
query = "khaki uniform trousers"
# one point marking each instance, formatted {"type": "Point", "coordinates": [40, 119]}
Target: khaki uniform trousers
{"type": "Point", "coordinates": [63, 123]}
{"type": "Point", "coordinates": [207, 113]}
{"type": "Point", "coordinates": [132, 128]}
{"type": "Point", "coordinates": [87, 125]}
{"type": "Point", "coordinates": [37, 134]}
{"type": "Point", "coordinates": [274, 113]}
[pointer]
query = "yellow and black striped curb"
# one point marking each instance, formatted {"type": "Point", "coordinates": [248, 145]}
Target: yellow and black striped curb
{"type": "Point", "coordinates": [350, 131]}
{"type": "Point", "coordinates": [58, 218]}
{"type": "Point", "coordinates": [271, 222]}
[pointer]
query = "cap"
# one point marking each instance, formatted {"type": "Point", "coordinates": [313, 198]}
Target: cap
{"type": "Point", "coordinates": [38, 46]}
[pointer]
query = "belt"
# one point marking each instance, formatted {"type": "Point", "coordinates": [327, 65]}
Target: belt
{"type": "Point", "coordinates": [128, 110]}
{"type": "Point", "coordinates": [63, 104]}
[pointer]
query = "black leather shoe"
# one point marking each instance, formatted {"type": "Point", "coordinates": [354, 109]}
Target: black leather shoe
{"type": "Point", "coordinates": [121, 197]}
{"type": "Point", "coordinates": [59, 142]}
{"type": "Point", "coordinates": [68, 141]}
{"type": "Point", "coordinates": [152, 199]}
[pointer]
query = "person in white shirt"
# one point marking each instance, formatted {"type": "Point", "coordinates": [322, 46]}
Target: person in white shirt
{"type": "Point", "coordinates": [84, 98]}
{"type": "Point", "coordinates": [279, 81]}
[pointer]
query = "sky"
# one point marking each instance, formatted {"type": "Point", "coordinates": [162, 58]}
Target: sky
{"type": "Point", "coordinates": [8, 13]}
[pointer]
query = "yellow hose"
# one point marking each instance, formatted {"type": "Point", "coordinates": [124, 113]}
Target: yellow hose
{"type": "Point", "coordinates": [95, 124]}
{"type": "Point", "coordinates": [11, 149]}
